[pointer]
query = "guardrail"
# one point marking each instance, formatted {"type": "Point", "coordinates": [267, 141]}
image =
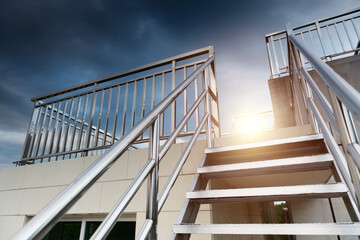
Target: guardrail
{"type": "Point", "coordinates": [38, 226]}
{"type": "Point", "coordinates": [88, 118]}
{"type": "Point", "coordinates": [340, 103]}
{"type": "Point", "coordinates": [330, 38]}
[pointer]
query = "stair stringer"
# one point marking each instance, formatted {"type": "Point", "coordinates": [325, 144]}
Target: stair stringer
{"type": "Point", "coordinates": [190, 209]}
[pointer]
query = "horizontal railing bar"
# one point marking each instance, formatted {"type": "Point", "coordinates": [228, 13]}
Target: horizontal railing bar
{"type": "Point", "coordinates": [160, 63]}
{"type": "Point", "coordinates": [333, 147]}
{"type": "Point", "coordinates": [39, 225]}
{"type": "Point", "coordinates": [319, 21]}
{"type": "Point", "coordinates": [42, 103]}
{"type": "Point", "coordinates": [187, 134]}
{"type": "Point", "coordinates": [344, 91]}
{"type": "Point", "coordinates": [341, 53]}
{"type": "Point", "coordinates": [176, 171]}
{"type": "Point", "coordinates": [322, 100]}
{"type": "Point", "coordinates": [354, 150]}
{"type": "Point", "coordinates": [145, 230]}
{"type": "Point", "coordinates": [64, 153]}
{"type": "Point", "coordinates": [121, 83]}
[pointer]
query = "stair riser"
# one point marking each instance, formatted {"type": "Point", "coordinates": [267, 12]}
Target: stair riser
{"type": "Point", "coordinates": [267, 171]}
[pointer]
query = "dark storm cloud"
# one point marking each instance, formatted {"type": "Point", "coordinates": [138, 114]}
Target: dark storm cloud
{"type": "Point", "coordinates": [49, 45]}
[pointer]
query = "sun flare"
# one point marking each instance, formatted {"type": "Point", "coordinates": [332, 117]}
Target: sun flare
{"type": "Point", "coordinates": [252, 123]}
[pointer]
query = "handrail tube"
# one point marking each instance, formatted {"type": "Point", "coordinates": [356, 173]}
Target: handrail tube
{"type": "Point", "coordinates": [320, 96]}
{"type": "Point", "coordinates": [354, 150]}
{"type": "Point", "coordinates": [334, 148]}
{"type": "Point", "coordinates": [175, 173]}
{"type": "Point", "coordinates": [145, 230]}
{"type": "Point", "coordinates": [344, 91]}
{"type": "Point", "coordinates": [120, 206]}
{"type": "Point", "coordinates": [153, 183]}
{"type": "Point", "coordinates": [160, 63]}
{"type": "Point", "coordinates": [48, 216]}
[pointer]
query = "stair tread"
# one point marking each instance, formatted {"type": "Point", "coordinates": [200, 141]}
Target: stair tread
{"type": "Point", "coordinates": [270, 229]}
{"type": "Point", "coordinates": [269, 193]}
{"type": "Point", "coordinates": [294, 164]}
{"type": "Point", "coordinates": [265, 143]}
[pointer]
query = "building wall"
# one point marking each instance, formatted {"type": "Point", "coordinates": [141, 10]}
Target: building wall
{"type": "Point", "coordinates": [27, 189]}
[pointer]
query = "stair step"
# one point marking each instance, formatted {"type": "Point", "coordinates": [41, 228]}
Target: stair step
{"type": "Point", "coordinates": [265, 143]}
{"type": "Point", "coordinates": [284, 165]}
{"type": "Point", "coordinates": [269, 193]}
{"type": "Point", "coordinates": [271, 229]}
{"type": "Point", "coordinates": [274, 149]}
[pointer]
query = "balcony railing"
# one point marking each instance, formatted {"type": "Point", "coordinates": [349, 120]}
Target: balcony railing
{"type": "Point", "coordinates": [88, 118]}
{"type": "Point", "coordinates": [340, 103]}
{"type": "Point", "coordinates": [329, 38]}
{"type": "Point", "coordinates": [39, 225]}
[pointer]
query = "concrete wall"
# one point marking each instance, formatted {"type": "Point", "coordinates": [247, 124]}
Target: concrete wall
{"type": "Point", "coordinates": [281, 96]}
{"type": "Point", "coordinates": [27, 189]}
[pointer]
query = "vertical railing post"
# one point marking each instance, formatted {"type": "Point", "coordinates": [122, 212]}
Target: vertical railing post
{"type": "Point", "coordinates": [25, 149]}
{"type": "Point", "coordinates": [91, 115]}
{"type": "Point", "coordinates": [269, 57]}
{"type": "Point", "coordinates": [214, 103]}
{"type": "Point", "coordinates": [275, 57]}
{"type": "Point", "coordinates": [304, 87]}
{"type": "Point", "coordinates": [207, 108]}
{"type": "Point", "coordinates": [153, 181]}
{"type": "Point", "coordinates": [173, 105]}
{"type": "Point", "coordinates": [295, 77]}
{"type": "Point", "coordinates": [318, 30]}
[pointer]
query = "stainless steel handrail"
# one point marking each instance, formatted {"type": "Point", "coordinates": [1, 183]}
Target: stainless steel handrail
{"type": "Point", "coordinates": [339, 89]}
{"type": "Point", "coordinates": [347, 93]}
{"type": "Point", "coordinates": [49, 215]}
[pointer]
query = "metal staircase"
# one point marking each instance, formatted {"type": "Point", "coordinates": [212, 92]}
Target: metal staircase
{"type": "Point", "coordinates": [292, 155]}
{"type": "Point", "coordinates": [336, 150]}
{"type": "Point", "coordinates": [333, 147]}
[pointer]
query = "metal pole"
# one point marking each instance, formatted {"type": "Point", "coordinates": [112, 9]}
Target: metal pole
{"type": "Point", "coordinates": [155, 179]}
{"type": "Point", "coordinates": [209, 139]}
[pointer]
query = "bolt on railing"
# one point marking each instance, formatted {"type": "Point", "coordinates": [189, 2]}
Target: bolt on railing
{"type": "Point", "coordinates": [38, 226]}
{"type": "Point", "coordinates": [330, 38]}
{"type": "Point", "coordinates": [340, 103]}
{"type": "Point", "coordinates": [88, 118]}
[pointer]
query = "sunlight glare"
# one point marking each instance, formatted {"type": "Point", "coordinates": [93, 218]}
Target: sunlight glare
{"type": "Point", "coordinates": [252, 123]}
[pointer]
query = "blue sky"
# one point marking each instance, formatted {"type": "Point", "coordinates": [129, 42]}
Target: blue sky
{"type": "Point", "coordinates": [49, 45]}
